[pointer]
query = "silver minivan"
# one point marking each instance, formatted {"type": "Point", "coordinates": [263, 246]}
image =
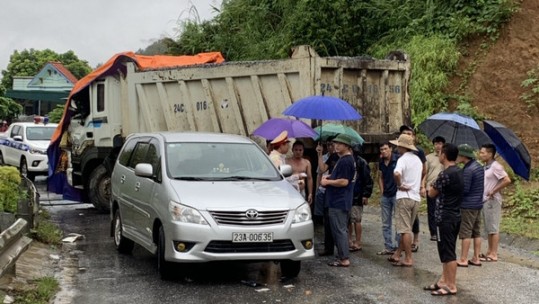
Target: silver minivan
{"type": "Point", "coordinates": [200, 197]}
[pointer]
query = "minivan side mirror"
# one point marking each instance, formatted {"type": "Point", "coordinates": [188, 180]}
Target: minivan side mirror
{"type": "Point", "coordinates": [144, 170]}
{"type": "Point", "coordinates": [286, 170]}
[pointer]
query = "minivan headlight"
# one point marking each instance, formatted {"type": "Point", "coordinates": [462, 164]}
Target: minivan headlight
{"type": "Point", "coordinates": [185, 214]}
{"type": "Point", "coordinates": [303, 214]}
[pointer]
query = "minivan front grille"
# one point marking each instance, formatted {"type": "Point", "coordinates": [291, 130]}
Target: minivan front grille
{"type": "Point", "coordinates": [229, 247]}
{"type": "Point", "coordinates": [249, 217]}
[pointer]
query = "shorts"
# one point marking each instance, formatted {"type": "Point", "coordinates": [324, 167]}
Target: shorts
{"type": "Point", "coordinates": [470, 226]}
{"type": "Point", "coordinates": [356, 214]}
{"type": "Point", "coordinates": [446, 233]}
{"type": "Point", "coordinates": [405, 214]}
{"type": "Point", "coordinates": [492, 211]}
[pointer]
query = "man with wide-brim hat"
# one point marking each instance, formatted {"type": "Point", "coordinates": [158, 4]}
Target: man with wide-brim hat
{"type": "Point", "coordinates": [408, 174]}
{"type": "Point", "coordinates": [339, 194]}
{"type": "Point", "coordinates": [473, 175]}
{"type": "Point", "coordinates": [279, 149]}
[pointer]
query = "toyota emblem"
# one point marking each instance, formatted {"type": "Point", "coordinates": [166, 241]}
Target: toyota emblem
{"type": "Point", "coordinates": [251, 214]}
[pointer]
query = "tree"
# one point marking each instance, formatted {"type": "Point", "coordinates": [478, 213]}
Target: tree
{"type": "Point", "coordinates": [29, 62]}
{"type": "Point", "coordinates": [56, 114]}
{"type": "Point", "coordinates": [9, 108]}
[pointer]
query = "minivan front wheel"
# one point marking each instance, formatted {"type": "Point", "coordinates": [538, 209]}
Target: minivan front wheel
{"type": "Point", "coordinates": [165, 269]}
{"type": "Point", "coordinates": [290, 269]}
{"type": "Point", "coordinates": [123, 244]}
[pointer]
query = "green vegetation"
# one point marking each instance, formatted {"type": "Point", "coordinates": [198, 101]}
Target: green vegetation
{"type": "Point", "coordinates": [44, 291]}
{"type": "Point", "coordinates": [9, 108]}
{"type": "Point", "coordinates": [56, 114]}
{"type": "Point", "coordinates": [431, 32]}
{"type": "Point", "coordinates": [46, 231]}
{"type": "Point", "coordinates": [29, 62]}
{"type": "Point", "coordinates": [531, 96]}
{"type": "Point", "coordinates": [11, 179]}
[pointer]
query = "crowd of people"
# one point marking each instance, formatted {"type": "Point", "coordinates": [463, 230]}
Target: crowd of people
{"type": "Point", "coordinates": [461, 192]}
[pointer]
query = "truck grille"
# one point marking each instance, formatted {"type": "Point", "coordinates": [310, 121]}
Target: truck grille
{"type": "Point", "coordinates": [229, 247]}
{"type": "Point", "coordinates": [248, 218]}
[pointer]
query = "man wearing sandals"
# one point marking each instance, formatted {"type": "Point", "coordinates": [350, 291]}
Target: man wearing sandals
{"type": "Point", "coordinates": [388, 200]}
{"type": "Point", "coordinates": [408, 172]}
{"type": "Point", "coordinates": [495, 180]}
{"type": "Point", "coordinates": [448, 187]}
{"type": "Point", "coordinates": [339, 193]}
{"type": "Point", "coordinates": [471, 206]}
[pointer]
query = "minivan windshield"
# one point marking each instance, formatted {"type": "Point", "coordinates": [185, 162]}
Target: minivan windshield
{"type": "Point", "coordinates": [218, 162]}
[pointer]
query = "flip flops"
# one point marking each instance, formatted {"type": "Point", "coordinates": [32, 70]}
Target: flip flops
{"type": "Point", "coordinates": [399, 264]}
{"type": "Point", "coordinates": [338, 263]}
{"type": "Point", "coordinates": [385, 252]}
{"type": "Point", "coordinates": [354, 248]}
{"type": "Point", "coordinates": [392, 260]}
{"type": "Point", "coordinates": [415, 247]}
{"type": "Point", "coordinates": [487, 259]}
{"type": "Point", "coordinates": [443, 291]}
{"type": "Point", "coordinates": [432, 287]}
{"type": "Point", "coordinates": [470, 262]}
{"type": "Point", "coordinates": [461, 265]}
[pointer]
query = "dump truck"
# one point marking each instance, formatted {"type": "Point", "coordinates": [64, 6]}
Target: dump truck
{"type": "Point", "coordinates": [227, 97]}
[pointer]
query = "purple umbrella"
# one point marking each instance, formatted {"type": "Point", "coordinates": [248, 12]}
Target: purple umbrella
{"type": "Point", "coordinates": [273, 127]}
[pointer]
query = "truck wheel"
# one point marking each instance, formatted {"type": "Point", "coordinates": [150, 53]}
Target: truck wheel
{"type": "Point", "coordinates": [99, 188]}
{"type": "Point", "coordinates": [2, 159]}
{"type": "Point", "coordinates": [123, 244]}
{"type": "Point", "coordinates": [24, 170]}
{"type": "Point", "coordinates": [165, 269]}
{"type": "Point", "coordinates": [290, 269]}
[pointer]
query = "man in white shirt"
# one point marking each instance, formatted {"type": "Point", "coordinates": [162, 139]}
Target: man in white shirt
{"type": "Point", "coordinates": [408, 179]}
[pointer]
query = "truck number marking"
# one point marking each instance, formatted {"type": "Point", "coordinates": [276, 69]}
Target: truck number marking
{"type": "Point", "coordinates": [202, 105]}
{"type": "Point", "coordinates": [179, 108]}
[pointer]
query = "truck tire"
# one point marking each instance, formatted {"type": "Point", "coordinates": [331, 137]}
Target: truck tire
{"type": "Point", "coordinates": [1, 159]}
{"type": "Point", "coordinates": [99, 188]}
{"type": "Point", "coordinates": [23, 168]}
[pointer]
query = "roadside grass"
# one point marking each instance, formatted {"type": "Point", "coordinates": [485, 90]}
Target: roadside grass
{"type": "Point", "coordinates": [520, 226]}
{"type": "Point", "coordinates": [42, 292]}
{"type": "Point", "coordinates": [46, 231]}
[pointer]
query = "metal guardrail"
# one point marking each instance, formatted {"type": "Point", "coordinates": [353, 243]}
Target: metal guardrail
{"type": "Point", "coordinates": [13, 243]}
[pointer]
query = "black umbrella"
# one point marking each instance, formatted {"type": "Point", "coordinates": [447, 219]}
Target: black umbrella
{"type": "Point", "coordinates": [510, 147]}
{"type": "Point", "coordinates": [455, 128]}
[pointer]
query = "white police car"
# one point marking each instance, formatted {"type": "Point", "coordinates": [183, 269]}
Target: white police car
{"type": "Point", "coordinates": [24, 145]}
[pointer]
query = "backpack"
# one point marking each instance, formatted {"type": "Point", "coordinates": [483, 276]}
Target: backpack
{"type": "Point", "coordinates": [364, 183]}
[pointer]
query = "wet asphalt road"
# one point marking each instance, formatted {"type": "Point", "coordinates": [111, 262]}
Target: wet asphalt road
{"type": "Point", "coordinates": [101, 275]}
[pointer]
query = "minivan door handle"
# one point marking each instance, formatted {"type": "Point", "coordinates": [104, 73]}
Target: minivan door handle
{"type": "Point", "coordinates": [122, 179]}
{"type": "Point", "coordinates": [137, 186]}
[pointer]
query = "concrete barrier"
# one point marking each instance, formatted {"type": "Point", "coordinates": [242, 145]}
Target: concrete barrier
{"type": "Point", "coordinates": [13, 243]}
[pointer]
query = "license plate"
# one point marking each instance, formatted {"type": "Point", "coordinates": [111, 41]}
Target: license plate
{"type": "Point", "coordinates": [252, 237]}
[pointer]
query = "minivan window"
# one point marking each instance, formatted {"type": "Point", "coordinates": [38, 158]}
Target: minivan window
{"type": "Point", "coordinates": [218, 161]}
{"type": "Point", "coordinates": [139, 154]}
{"type": "Point", "coordinates": [126, 152]}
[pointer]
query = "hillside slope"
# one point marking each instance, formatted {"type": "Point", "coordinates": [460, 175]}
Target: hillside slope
{"type": "Point", "coordinates": [495, 87]}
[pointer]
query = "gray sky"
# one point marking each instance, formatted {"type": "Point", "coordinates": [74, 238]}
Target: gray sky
{"type": "Point", "coordinates": [94, 30]}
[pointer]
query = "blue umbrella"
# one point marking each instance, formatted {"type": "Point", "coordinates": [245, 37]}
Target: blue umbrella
{"type": "Point", "coordinates": [273, 127]}
{"type": "Point", "coordinates": [510, 147]}
{"type": "Point", "coordinates": [455, 128]}
{"type": "Point", "coordinates": [323, 108]}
